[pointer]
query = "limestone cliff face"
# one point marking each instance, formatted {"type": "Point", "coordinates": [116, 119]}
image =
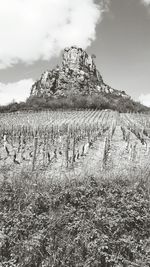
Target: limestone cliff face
{"type": "Point", "coordinates": [76, 59]}
{"type": "Point", "coordinates": [78, 75]}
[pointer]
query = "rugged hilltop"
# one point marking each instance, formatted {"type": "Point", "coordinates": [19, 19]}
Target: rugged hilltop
{"type": "Point", "coordinates": [76, 84]}
{"type": "Point", "coordinates": [77, 74]}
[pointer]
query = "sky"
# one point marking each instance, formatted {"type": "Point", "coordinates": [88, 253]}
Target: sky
{"type": "Point", "coordinates": [33, 34]}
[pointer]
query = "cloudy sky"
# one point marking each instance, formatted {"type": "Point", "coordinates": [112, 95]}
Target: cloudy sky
{"type": "Point", "coordinates": [33, 34]}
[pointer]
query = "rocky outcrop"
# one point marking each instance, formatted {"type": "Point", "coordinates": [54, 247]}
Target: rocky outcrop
{"type": "Point", "coordinates": [78, 75]}
{"type": "Point", "coordinates": [75, 59]}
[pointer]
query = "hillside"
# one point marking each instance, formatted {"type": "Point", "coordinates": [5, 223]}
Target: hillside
{"type": "Point", "coordinates": [77, 83]}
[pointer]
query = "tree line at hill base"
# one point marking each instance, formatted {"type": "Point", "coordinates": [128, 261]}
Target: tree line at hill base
{"type": "Point", "coordinates": [103, 101]}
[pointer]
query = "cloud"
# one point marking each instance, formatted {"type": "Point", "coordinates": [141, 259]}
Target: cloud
{"type": "Point", "coordinates": [18, 91]}
{"type": "Point", "coordinates": [39, 29]}
{"type": "Point", "coordinates": [146, 2]}
{"type": "Point", "coordinates": [145, 99]}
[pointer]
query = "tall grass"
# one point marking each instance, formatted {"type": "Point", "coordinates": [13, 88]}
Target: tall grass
{"type": "Point", "coordinates": [95, 221]}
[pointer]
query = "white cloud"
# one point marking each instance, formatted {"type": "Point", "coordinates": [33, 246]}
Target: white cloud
{"type": "Point", "coordinates": [145, 99]}
{"type": "Point", "coordinates": [39, 29]}
{"type": "Point", "coordinates": [18, 91]}
{"type": "Point", "coordinates": [146, 2]}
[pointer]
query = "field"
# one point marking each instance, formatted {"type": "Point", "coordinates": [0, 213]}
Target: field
{"type": "Point", "coordinates": [74, 189]}
{"type": "Point", "coordinates": [68, 142]}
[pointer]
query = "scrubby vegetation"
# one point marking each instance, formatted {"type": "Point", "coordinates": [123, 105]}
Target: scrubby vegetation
{"type": "Point", "coordinates": [91, 222]}
{"type": "Point", "coordinates": [103, 101]}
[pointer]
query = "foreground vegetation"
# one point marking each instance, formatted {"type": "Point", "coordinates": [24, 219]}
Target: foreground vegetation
{"type": "Point", "coordinates": [92, 222]}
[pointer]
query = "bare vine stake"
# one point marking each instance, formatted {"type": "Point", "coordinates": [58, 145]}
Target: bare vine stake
{"type": "Point", "coordinates": [12, 139]}
{"type": "Point", "coordinates": [106, 152]}
{"type": "Point", "coordinates": [35, 151]}
{"type": "Point", "coordinates": [67, 151]}
{"type": "Point", "coordinates": [21, 146]}
{"type": "Point", "coordinates": [73, 151]}
{"type": "Point", "coordinates": [89, 137]}
{"type": "Point", "coordinates": [44, 150]}
{"type": "Point", "coordinates": [5, 140]}
{"type": "Point", "coordinates": [83, 149]}
{"type": "Point", "coordinates": [19, 141]}
{"type": "Point", "coordinates": [47, 146]}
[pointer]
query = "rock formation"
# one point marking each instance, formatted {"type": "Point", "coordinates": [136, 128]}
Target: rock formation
{"type": "Point", "coordinates": [78, 75]}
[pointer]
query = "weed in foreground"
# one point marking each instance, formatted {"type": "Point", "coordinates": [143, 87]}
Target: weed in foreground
{"type": "Point", "coordinates": [90, 222]}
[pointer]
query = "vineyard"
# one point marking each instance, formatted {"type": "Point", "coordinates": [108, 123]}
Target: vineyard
{"type": "Point", "coordinates": [74, 141]}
